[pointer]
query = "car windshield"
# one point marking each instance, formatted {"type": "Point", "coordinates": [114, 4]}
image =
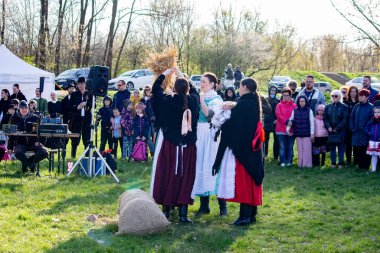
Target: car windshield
{"type": "Point", "coordinates": [68, 72]}
{"type": "Point", "coordinates": [128, 73]}
{"type": "Point", "coordinates": [196, 78]}
{"type": "Point", "coordinates": [280, 79]}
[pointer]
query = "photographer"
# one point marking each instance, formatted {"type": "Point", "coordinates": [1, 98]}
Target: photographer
{"type": "Point", "coordinates": [105, 115]}
{"type": "Point", "coordinates": [24, 120]}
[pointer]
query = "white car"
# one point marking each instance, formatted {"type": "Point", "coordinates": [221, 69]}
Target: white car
{"type": "Point", "coordinates": [279, 81]}
{"type": "Point", "coordinates": [196, 80]}
{"type": "Point", "coordinates": [137, 79]}
{"type": "Point", "coordinates": [375, 83]}
{"type": "Point", "coordinates": [113, 82]}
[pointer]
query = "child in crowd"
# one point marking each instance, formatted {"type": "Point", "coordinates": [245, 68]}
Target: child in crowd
{"type": "Point", "coordinates": [116, 128]}
{"type": "Point", "coordinates": [320, 138]}
{"type": "Point", "coordinates": [135, 98]}
{"type": "Point", "coordinates": [373, 129]}
{"type": "Point", "coordinates": [105, 113]}
{"type": "Point", "coordinates": [127, 124]}
{"type": "Point", "coordinates": [140, 123]}
{"type": "Point", "coordinates": [230, 94]}
{"type": "Point", "coordinates": [302, 120]}
{"type": "Point", "coordinates": [146, 100]}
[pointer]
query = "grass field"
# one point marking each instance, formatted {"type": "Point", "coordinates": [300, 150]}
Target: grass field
{"type": "Point", "coordinates": [305, 210]}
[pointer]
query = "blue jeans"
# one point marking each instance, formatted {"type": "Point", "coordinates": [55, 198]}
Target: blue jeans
{"type": "Point", "coordinates": [127, 146]}
{"type": "Point", "coordinates": [341, 149]}
{"type": "Point", "coordinates": [286, 148]}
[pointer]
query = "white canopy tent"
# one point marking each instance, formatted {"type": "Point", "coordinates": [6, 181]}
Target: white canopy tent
{"type": "Point", "coordinates": [15, 70]}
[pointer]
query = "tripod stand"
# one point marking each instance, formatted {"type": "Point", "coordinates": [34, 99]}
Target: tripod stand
{"type": "Point", "coordinates": [90, 149]}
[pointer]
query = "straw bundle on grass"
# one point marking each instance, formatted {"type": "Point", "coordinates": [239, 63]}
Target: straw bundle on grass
{"type": "Point", "coordinates": [159, 62]}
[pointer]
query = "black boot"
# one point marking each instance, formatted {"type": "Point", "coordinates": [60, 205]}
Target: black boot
{"type": "Point", "coordinates": [182, 209]}
{"type": "Point", "coordinates": [204, 208]}
{"type": "Point", "coordinates": [222, 207]}
{"type": "Point", "coordinates": [323, 159]}
{"type": "Point", "coordinates": [245, 215]}
{"type": "Point", "coordinates": [166, 211]}
{"type": "Point", "coordinates": [253, 214]}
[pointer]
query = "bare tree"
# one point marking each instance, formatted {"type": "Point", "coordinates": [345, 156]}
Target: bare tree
{"type": "Point", "coordinates": [111, 35]}
{"type": "Point", "coordinates": [364, 16]}
{"type": "Point", "coordinates": [43, 34]}
{"type": "Point", "coordinates": [81, 29]}
{"type": "Point", "coordinates": [61, 13]}
{"type": "Point", "coordinates": [2, 24]}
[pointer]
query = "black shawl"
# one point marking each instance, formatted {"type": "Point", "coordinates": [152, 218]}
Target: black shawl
{"type": "Point", "coordinates": [238, 133]}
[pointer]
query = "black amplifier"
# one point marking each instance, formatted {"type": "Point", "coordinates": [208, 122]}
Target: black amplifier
{"type": "Point", "coordinates": [53, 129]}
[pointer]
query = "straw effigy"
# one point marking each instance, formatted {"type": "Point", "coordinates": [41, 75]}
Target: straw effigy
{"type": "Point", "coordinates": [159, 62]}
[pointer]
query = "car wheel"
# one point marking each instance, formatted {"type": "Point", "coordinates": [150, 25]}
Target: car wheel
{"type": "Point", "coordinates": [130, 86]}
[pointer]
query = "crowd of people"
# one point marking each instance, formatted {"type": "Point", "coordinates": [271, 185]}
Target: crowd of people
{"type": "Point", "coordinates": [345, 127]}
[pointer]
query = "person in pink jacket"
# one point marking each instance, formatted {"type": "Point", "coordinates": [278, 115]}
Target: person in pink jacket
{"type": "Point", "coordinates": [320, 138]}
{"type": "Point", "coordinates": [283, 112]}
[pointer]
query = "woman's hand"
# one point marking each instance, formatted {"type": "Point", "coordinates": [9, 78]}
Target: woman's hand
{"type": "Point", "coordinates": [178, 72]}
{"type": "Point", "coordinates": [168, 72]}
{"type": "Point", "coordinates": [202, 96]}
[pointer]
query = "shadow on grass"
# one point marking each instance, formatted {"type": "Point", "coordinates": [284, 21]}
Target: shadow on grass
{"type": "Point", "coordinates": [12, 187]}
{"type": "Point", "coordinates": [178, 237]}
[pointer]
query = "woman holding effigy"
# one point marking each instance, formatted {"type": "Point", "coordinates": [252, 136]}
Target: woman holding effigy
{"type": "Point", "coordinates": [242, 136]}
{"type": "Point", "coordinates": [174, 171]}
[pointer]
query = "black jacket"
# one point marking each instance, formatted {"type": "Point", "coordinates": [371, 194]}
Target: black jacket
{"type": "Point", "coordinates": [55, 109]}
{"type": "Point", "coordinates": [24, 125]}
{"type": "Point", "coordinates": [335, 116]}
{"type": "Point", "coordinates": [271, 117]}
{"type": "Point", "coordinates": [4, 105]}
{"type": "Point", "coordinates": [169, 113]}
{"type": "Point", "coordinates": [77, 98]}
{"type": "Point", "coordinates": [19, 96]}
{"type": "Point", "coordinates": [119, 98]}
{"type": "Point", "coordinates": [67, 109]}
{"type": "Point", "coordinates": [238, 133]}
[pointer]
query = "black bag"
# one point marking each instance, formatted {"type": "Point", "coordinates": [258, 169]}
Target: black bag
{"type": "Point", "coordinates": [110, 161]}
{"type": "Point", "coordinates": [335, 138]}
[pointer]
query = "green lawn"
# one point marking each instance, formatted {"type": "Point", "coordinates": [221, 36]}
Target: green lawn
{"type": "Point", "coordinates": [305, 210]}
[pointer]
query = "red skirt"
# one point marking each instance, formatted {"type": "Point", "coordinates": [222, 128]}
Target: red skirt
{"type": "Point", "coordinates": [175, 174]}
{"type": "Point", "coordinates": [246, 190]}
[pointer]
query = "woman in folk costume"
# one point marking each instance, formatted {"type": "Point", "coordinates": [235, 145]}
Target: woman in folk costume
{"type": "Point", "coordinates": [175, 167]}
{"type": "Point", "coordinates": [207, 146]}
{"type": "Point", "coordinates": [242, 136]}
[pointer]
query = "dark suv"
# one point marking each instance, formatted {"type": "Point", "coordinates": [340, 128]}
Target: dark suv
{"type": "Point", "coordinates": [70, 76]}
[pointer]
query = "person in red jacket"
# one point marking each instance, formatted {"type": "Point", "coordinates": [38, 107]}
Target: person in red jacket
{"type": "Point", "coordinates": [283, 112]}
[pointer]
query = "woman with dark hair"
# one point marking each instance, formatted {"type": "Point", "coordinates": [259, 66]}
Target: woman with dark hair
{"type": "Point", "coordinates": [175, 167]}
{"type": "Point", "coordinates": [351, 100]}
{"type": "Point", "coordinates": [242, 136]}
{"type": "Point", "coordinates": [207, 146]}
{"type": "Point", "coordinates": [5, 101]}
{"type": "Point", "coordinates": [230, 94]}
{"type": "Point", "coordinates": [146, 100]}
{"type": "Point", "coordinates": [17, 93]}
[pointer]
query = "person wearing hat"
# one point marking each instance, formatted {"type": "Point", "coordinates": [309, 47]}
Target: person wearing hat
{"type": "Point", "coordinates": [105, 114]}
{"type": "Point", "coordinates": [67, 108]}
{"type": "Point", "coordinates": [270, 123]}
{"type": "Point", "coordinates": [81, 105]}
{"type": "Point", "coordinates": [42, 104]}
{"type": "Point", "coordinates": [361, 114]}
{"type": "Point", "coordinates": [17, 93]}
{"type": "Point", "coordinates": [24, 119]}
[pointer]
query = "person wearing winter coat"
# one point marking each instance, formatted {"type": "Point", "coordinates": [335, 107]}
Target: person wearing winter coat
{"type": "Point", "coordinates": [302, 121]}
{"type": "Point", "coordinates": [270, 124]}
{"type": "Point", "coordinates": [351, 101]}
{"type": "Point", "coordinates": [283, 112]}
{"type": "Point", "coordinates": [361, 114]}
{"type": "Point", "coordinates": [335, 119]}
{"type": "Point", "coordinates": [17, 93]}
{"type": "Point", "coordinates": [320, 138]}
{"type": "Point", "coordinates": [105, 113]}
{"type": "Point", "coordinates": [229, 94]}
{"type": "Point", "coordinates": [121, 95]}
{"type": "Point", "coordinates": [314, 96]}
{"type": "Point", "coordinates": [373, 130]}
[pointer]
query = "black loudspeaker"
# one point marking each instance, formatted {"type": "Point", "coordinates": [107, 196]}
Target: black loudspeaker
{"type": "Point", "coordinates": [97, 81]}
{"type": "Point", "coordinates": [42, 83]}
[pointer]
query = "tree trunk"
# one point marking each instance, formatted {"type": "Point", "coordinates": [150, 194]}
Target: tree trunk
{"type": "Point", "coordinates": [3, 23]}
{"type": "Point", "coordinates": [125, 39]}
{"type": "Point", "coordinates": [61, 14]}
{"type": "Point", "coordinates": [111, 35]}
{"type": "Point", "coordinates": [86, 57]}
{"type": "Point", "coordinates": [42, 36]}
{"type": "Point", "coordinates": [83, 10]}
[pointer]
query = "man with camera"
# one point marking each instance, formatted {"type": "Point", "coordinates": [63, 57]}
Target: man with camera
{"type": "Point", "coordinates": [81, 104]}
{"type": "Point", "coordinates": [24, 121]}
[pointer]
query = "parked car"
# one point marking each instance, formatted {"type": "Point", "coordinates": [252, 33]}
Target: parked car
{"type": "Point", "coordinates": [196, 80]}
{"type": "Point", "coordinates": [321, 86]}
{"type": "Point", "coordinates": [375, 83]}
{"type": "Point", "coordinates": [279, 81]}
{"type": "Point", "coordinates": [71, 76]}
{"type": "Point", "coordinates": [136, 80]}
{"type": "Point", "coordinates": [113, 82]}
